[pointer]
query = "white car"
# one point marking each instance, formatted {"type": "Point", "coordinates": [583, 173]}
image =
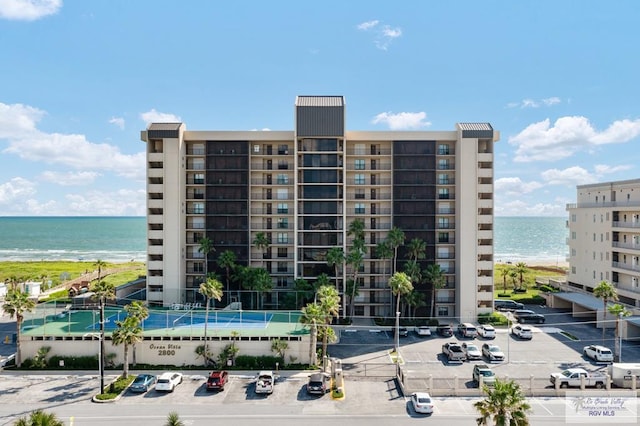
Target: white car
{"type": "Point", "coordinates": [422, 402]}
{"type": "Point", "coordinates": [492, 352]}
{"type": "Point", "coordinates": [598, 353]}
{"type": "Point", "coordinates": [423, 331]}
{"type": "Point", "coordinates": [487, 331]}
{"type": "Point", "coordinates": [522, 332]}
{"type": "Point", "coordinates": [167, 382]}
{"type": "Point", "coordinates": [472, 351]}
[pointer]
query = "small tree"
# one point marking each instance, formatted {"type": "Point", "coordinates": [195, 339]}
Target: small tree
{"type": "Point", "coordinates": [607, 292]}
{"type": "Point", "coordinates": [618, 311]}
{"type": "Point", "coordinates": [505, 405]}
{"type": "Point", "coordinates": [521, 269]}
{"type": "Point", "coordinates": [279, 347]}
{"type": "Point", "coordinates": [39, 418]}
{"type": "Point", "coordinates": [127, 333]}
{"type": "Point", "coordinates": [16, 304]}
{"type": "Point", "coordinates": [140, 312]}
{"type": "Point", "coordinates": [173, 419]}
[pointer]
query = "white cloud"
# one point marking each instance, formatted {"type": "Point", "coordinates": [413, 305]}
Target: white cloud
{"type": "Point", "coordinates": [18, 126]}
{"type": "Point", "coordinates": [402, 120]}
{"type": "Point", "coordinates": [118, 121]}
{"type": "Point", "coordinates": [551, 101]}
{"type": "Point", "coordinates": [568, 135]}
{"type": "Point", "coordinates": [515, 186]}
{"type": "Point", "coordinates": [571, 176]}
{"type": "Point", "coordinates": [532, 103]}
{"type": "Point", "coordinates": [365, 26]}
{"type": "Point", "coordinates": [383, 35]}
{"type": "Point", "coordinates": [100, 203]}
{"type": "Point", "coordinates": [28, 10]}
{"type": "Point", "coordinates": [154, 116]}
{"type": "Point", "coordinates": [603, 169]}
{"type": "Point", "coordinates": [16, 189]}
{"type": "Point", "coordinates": [69, 178]}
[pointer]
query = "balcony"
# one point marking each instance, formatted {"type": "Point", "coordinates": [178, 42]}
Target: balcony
{"type": "Point", "coordinates": [626, 267]}
{"type": "Point", "coordinates": [633, 225]}
{"type": "Point", "coordinates": [630, 246]}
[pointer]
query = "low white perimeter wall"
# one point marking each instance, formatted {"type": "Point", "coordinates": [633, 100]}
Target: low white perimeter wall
{"type": "Point", "coordinates": [163, 352]}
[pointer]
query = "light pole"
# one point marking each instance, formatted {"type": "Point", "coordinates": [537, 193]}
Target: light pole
{"type": "Point", "coordinates": [100, 364]}
{"type": "Point", "coordinates": [620, 336]}
{"type": "Point", "coordinates": [397, 335]}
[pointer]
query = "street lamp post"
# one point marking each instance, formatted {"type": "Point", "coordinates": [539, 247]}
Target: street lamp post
{"type": "Point", "coordinates": [619, 337]}
{"type": "Point", "coordinates": [397, 334]}
{"type": "Point", "coordinates": [100, 363]}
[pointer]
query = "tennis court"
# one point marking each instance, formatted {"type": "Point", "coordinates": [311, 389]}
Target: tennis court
{"type": "Point", "coordinates": [194, 319]}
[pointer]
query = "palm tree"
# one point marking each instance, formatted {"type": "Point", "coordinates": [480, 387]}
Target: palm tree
{"type": "Point", "coordinates": [336, 259]}
{"type": "Point", "coordinates": [103, 291]}
{"type": "Point", "coordinates": [355, 258]}
{"type": "Point", "coordinates": [385, 252]}
{"type": "Point", "coordinates": [415, 300]}
{"type": "Point", "coordinates": [329, 301]}
{"type": "Point", "coordinates": [280, 347]}
{"type": "Point", "coordinates": [521, 268]}
{"type": "Point", "coordinates": [173, 419]}
{"type": "Point", "coordinates": [400, 285]}
{"type": "Point", "coordinates": [618, 311]}
{"type": "Point", "coordinates": [505, 405]}
{"type": "Point", "coordinates": [434, 274]}
{"type": "Point", "coordinates": [140, 312]}
{"type": "Point", "coordinates": [607, 292]}
{"type": "Point", "coordinates": [261, 242]}
{"type": "Point", "coordinates": [416, 249]}
{"type": "Point", "coordinates": [395, 238]}
{"type": "Point", "coordinates": [39, 418]}
{"type": "Point", "coordinates": [206, 248]}
{"type": "Point", "coordinates": [100, 264]}
{"type": "Point", "coordinates": [312, 315]}
{"type": "Point", "coordinates": [16, 303]}
{"type": "Point", "coordinates": [210, 289]}
{"type": "Point", "coordinates": [505, 274]}
{"type": "Point", "coordinates": [262, 283]}
{"type": "Point", "coordinates": [227, 261]}
{"type": "Point", "coordinates": [514, 276]}
{"type": "Point", "coordinates": [127, 333]}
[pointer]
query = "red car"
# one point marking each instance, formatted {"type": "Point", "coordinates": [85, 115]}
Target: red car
{"type": "Point", "coordinates": [217, 380]}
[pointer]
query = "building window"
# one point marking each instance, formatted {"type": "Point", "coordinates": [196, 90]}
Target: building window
{"type": "Point", "coordinates": [283, 208]}
{"type": "Point", "coordinates": [198, 267]}
{"type": "Point", "coordinates": [443, 237]}
{"type": "Point", "coordinates": [282, 267]}
{"type": "Point", "coordinates": [359, 164]}
{"type": "Point", "coordinates": [443, 223]}
{"type": "Point", "coordinates": [443, 311]}
{"type": "Point", "coordinates": [443, 193]}
{"type": "Point", "coordinates": [443, 149]}
{"type": "Point", "coordinates": [359, 208]}
{"type": "Point", "coordinates": [359, 179]}
{"type": "Point", "coordinates": [282, 194]}
{"type": "Point", "coordinates": [283, 238]}
{"type": "Point", "coordinates": [282, 252]}
{"type": "Point", "coordinates": [573, 235]}
{"type": "Point", "coordinates": [198, 208]}
{"type": "Point", "coordinates": [359, 194]}
{"type": "Point", "coordinates": [281, 282]}
{"type": "Point", "coordinates": [359, 149]}
{"type": "Point", "coordinates": [283, 223]}
{"type": "Point", "coordinates": [443, 164]}
{"type": "Point", "coordinates": [283, 150]}
{"type": "Point", "coordinates": [443, 179]}
{"type": "Point", "coordinates": [283, 179]}
{"type": "Point", "coordinates": [198, 178]}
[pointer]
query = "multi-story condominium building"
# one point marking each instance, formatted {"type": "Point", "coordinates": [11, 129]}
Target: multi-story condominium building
{"type": "Point", "coordinates": [303, 188]}
{"type": "Point", "coordinates": [604, 238]}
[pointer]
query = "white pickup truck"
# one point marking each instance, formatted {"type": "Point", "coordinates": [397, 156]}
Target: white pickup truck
{"type": "Point", "coordinates": [572, 377]}
{"type": "Point", "coordinates": [265, 382]}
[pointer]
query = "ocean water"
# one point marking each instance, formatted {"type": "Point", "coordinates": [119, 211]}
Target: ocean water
{"type": "Point", "coordinates": [112, 239]}
{"type": "Point", "coordinates": [121, 239]}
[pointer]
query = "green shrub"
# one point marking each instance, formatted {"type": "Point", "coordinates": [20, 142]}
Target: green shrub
{"type": "Point", "coordinates": [494, 318]}
{"type": "Point", "coordinates": [262, 362]}
{"type": "Point", "coordinates": [73, 362]}
{"type": "Point", "coordinates": [532, 300]}
{"type": "Point", "coordinates": [548, 289]}
{"type": "Point", "coordinates": [116, 388]}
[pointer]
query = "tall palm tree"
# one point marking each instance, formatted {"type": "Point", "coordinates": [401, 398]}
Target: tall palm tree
{"type": "Point", "coordinates": [505, 273]}
{"type": "Point", "coordinates": [335, 259]}
{"type": "Point", "coordinates": [100, 264]}
{"type": "Point", "coordinates": [395, 238]}
{"type": "Point", "coordinates": [354, 258]}
{"type": "Point", "coordinates": [521, 269]}
{"type": "Point", "coordinates": [312, 315]}
{"type": "Point", "coordinates": [262, 243]}
{"type": "Point", "coordinates": [16, 303]}
{"type": "Point", "coordinates": [127, 333]}
{"type": "Point", "coordinates": [206, 247]}
{"type": "Point", "coordinates": [173, 419]}
{"type": "Point", "coordinates": [210, 289]}
{"type": "Point", "coordinates": [39, 418]}
{"type": "Point", "coordinates": [280, 347]}
{"type": "Point", "coordinates": [434, 275]}
{"type": "Point", "coordinates": [400, 284]}
{"type": "Point", "coordinates": [329, 301]}
{"type": "Point", "coordinates": [415, 300]}
{"type": "Point", "coordinates": [607, 292]}
{"type": "Point", "coordinates": [505, 405]}
{"type": "Point", "coordinates": [618, 311]}
{"type": "Point", "coordinates": [262, 283]}
{"type": "Point", "coordinates": [322, 280]}
{"type": "Point", "coordinates": [140, 312]}
{"type": "Point", "coordinates": [416, 249]}
{"type": "Point", "coordinates": [103, 291]}
{"type": "Point", "coordinates": [385, 252]}
{"type": "Point", "coordinates": [227, 261]}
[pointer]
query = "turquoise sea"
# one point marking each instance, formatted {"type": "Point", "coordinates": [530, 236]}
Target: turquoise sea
{"type": "Point", "coordinates": [121, 239]}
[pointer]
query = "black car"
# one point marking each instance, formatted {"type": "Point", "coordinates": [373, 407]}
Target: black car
{"type": "Point", "coordinates": [445, 330]}
{"type": "Point", "coordinates": [507, 305]}
{"type": "Point", "coordinates": [525, 315]}
{"type": "Point", "coordinates": [318, 384]}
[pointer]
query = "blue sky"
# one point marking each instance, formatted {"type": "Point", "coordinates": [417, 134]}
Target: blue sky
{"type": "Point", "coordinates": [80, 79]}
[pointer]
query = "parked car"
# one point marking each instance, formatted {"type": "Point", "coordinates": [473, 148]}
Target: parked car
{"type": "Point", "coordinates": [526, 315]}
{"type": "Point", "coordinates": [492, 352]}
{"type": "Point", "coordinates": [467, 330]}
{"type": "Point", "coordinates": [423, 331]}
{"type": "Point", "coordinates": [507, 305]}
{"type": "Point", "coordinates": [217, 380]}
{"type": "Point", "coordinates": [487, 331]}
{"type": "Point", "coordinates": [598, 353]}
{"type": "Point", "coordinates": [522, 331]}
{"type": "Point", "coordinates": [422, 402]}
{"type": "Point", "coordinates": [318, 384]}
{"type": "Point", "coordinates": [483, 370]}
{"type": "Point", "coordinates": [574, 377]}
{"type": "Point", "coordinates": [142, 383]}
{"type": "Point", "coordinates": [453, 351]}
{"type": "Point", "coordinates": [265, 382]}
{"type": "Point", "coordinates": [167, 382]}
{"type": "Point", "coordinates": [445, 330]}
{"type": "Point", "coordinates": [471, 351]}
{"type": "Point", "coordinates": [403, 331]}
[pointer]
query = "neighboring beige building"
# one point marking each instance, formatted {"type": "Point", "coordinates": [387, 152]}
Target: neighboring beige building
{"type": "Point", "coordinates": [604, 238]}
{"type": "Point", "coordinates": [302, 188]}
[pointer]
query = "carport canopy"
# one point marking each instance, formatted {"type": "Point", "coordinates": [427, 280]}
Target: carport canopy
{"type": "Point", "coordinates": [585, 300]}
